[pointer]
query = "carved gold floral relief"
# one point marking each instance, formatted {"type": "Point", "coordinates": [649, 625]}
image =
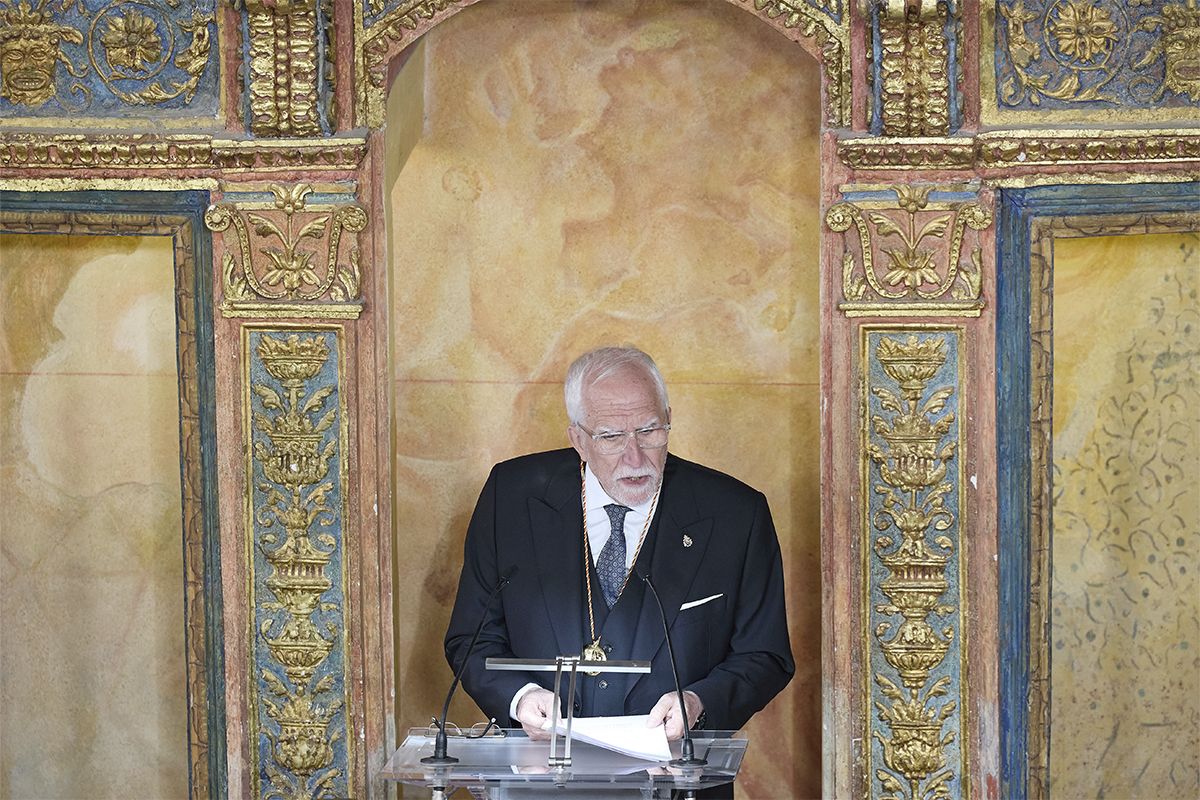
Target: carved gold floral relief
{"type": "Point", "coordinates": [298, 582]}
{"type": "Point", "coordinates": [907, 257]}
{"type": "Point", "coordinates": [287, 258]}
{"type": "Point", "coordinates": [148, 52]}
{"type": "Point", "coordinates": [1102, 58]}
{"type": "Point", "coordinates": [914, 643]}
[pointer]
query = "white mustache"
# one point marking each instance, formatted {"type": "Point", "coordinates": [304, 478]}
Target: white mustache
{"type": "Point", "coordinates": [636, 474]}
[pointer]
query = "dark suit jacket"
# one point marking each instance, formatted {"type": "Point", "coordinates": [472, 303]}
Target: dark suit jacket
{"type": "Point", "coordinates": [733, 652]}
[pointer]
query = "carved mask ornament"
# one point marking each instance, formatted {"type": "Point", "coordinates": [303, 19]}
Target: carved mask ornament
{"type": "Point", "coordinates": [1179, 27]}
{"type": "Point", "coordinates": [1181, 46]}
{"type": "Point", "coordinates": [29, 52]}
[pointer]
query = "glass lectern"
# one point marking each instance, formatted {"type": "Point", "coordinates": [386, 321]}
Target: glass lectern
{"type": "Point", "coordinates": [512, 767]}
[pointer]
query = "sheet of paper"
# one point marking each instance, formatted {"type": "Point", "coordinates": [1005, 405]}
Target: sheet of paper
{"type": "Point", "coordinates": [626, 735]}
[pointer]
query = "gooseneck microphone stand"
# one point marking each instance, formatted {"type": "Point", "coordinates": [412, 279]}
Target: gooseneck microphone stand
{"type": "Point", "coordinates": [439, 756]}
{"type": "Point", "coordinates": [687, 754]}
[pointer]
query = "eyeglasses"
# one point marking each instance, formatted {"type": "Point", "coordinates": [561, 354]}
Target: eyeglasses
{"type": "Point", "coordinates": [476, 731]}
{"type": "Point", "coordinates": [652, 437]}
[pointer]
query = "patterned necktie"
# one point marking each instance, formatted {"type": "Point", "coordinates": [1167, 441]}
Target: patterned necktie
{"type": "Point", "coordinates": [610, 566]}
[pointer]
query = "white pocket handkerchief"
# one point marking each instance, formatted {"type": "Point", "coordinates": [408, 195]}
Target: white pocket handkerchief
{"type": "Point", "coordinates": [694, 603]}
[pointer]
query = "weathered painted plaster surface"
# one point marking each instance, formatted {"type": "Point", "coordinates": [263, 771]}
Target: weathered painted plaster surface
{"type": "Point", "coordinates": [1125, 603]}
{"type": "Point", "coordinates": [92, 675]}
{"type": "Point", "coordinates": [641, 173]}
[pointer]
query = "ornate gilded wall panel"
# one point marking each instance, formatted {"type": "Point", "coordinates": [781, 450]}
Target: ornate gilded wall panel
{"type": "Point", "coordinates": [915, 70]}
{"type": "Point", "coordinates": [1047, 61]}
{"type": "Point", "coordinates": [296, 425]}
{"type": "Point", "coordinates": [914, 633]}
{"type": "Point", "coordinates": [287, 256]}
{"type": "Point", "coordinates": [120, 61]}
{"type": "Point", "coordinates": [288, 65]}
{"type": "Point", "coordinates": [911, 250]}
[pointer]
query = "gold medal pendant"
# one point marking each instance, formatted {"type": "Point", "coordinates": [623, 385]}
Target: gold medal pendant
{"type": "Point", "coordinates": [593, 652]}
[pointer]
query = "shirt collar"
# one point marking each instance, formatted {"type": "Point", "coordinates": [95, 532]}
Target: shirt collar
{"type": "Point", "coordinates": [598, 498]}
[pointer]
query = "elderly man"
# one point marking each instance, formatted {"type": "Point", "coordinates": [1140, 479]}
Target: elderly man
{"type": "Point", "coordinates": [581, 524]}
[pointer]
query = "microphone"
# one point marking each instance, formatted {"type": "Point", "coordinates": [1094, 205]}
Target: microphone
{"type": "Point", "coordinates": [687, 754]}
{"type": "Point", "coordinates": [439, 743]}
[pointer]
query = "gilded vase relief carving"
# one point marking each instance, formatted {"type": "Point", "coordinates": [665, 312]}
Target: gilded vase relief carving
{"type": "Point", "coordinates": [906, 258]}
{"type": "Point", "coordinates": [289, 66]}
{"type": "Point", "coordinates": [299, 634]}
{"type": "Point", "coordinates": [911, 472]}
{"type": "Point", "coordinates": [286, 258]}
{"type": "Point", "coordinates": [1063, 52]}
{"type": "Point", "coordinates": [914, 70]}
{"type": "Point", "coordinates": [147, 53]}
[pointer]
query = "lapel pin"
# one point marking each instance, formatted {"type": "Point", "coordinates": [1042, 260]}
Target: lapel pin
{"type": "Point", "coordinates": [687, 540]}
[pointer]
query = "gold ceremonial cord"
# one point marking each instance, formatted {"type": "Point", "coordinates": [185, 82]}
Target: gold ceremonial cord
{"type": "Point", "coordinates": [594, 652]}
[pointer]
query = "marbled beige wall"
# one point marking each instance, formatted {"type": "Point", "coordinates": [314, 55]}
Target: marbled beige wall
{"type": "Point", "coordinates": [594, 173]}
{"type": "Point", "coordinates": [1125, 602]}
{"type": "Point", "coordinates": [92, 682]}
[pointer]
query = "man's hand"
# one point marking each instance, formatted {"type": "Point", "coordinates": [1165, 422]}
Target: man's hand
{"type": "Point", "coordinates": [666, 711]}
{"type": "Point", "coordinates": [534, 710]}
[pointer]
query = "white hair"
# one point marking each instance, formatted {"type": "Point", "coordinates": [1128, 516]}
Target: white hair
{"type": "Point", "coordinates": [596, 365]}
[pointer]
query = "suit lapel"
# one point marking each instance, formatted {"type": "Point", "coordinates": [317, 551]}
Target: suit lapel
{"type": "Point", "coordinates": [675, 563]}
{"type": "Point", "coordinates": [556, 530]}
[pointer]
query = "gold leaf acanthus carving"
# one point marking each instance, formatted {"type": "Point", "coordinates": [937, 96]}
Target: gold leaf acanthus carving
{"type": "Point", "coordinates": [910, 255]}
{"type": "Point", "coordinates": [123, 44]}
{"type": "Point", "coordinates": [289, 258]}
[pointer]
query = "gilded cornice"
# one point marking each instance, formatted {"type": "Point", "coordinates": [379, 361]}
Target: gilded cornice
{"type": "Point", "coordinates": [174, 152]}
{"type": "Point", "coordinates": [1012, 149]}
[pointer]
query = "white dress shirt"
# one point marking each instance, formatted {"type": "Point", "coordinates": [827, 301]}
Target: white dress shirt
{"type": "Point", "coordinates": [599, 528]}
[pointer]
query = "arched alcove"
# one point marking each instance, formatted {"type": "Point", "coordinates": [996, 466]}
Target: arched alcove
{"type": "Point", "coordinates": [562, 176]}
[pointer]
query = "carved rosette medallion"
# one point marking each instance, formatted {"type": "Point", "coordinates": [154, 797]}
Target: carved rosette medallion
{"type": "Point", "coordinates": [914, 637]}
{"type": "Point", "coordinates": [906, 257]}
{"type": "Point", "coordinates": [1115, 58]}
{"type": "Point", "coordinates": [101, 58]}
{"type": "Point", "coordinates": [287, 258]}
{"type": "Point", "coordinates": [296, 479]}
